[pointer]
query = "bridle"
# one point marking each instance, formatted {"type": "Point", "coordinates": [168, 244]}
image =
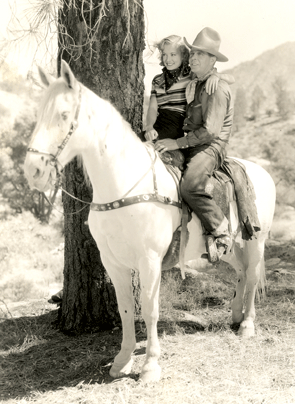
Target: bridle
{"type": "Point", "coordinates": [125, 200]}
{"type": "Point", "coordinates": [54, 157]}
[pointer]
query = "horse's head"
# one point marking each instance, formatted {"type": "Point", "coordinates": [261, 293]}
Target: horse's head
{"type": "Point", "coordinates": [52, 145]}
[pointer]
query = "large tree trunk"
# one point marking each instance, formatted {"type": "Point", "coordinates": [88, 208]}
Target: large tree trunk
{"type": "Point", "coordinates": [104, 48]}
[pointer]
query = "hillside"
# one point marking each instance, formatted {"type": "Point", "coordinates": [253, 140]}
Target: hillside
{"type": "Point", "coordinates": [262, 71]}
{"type": "Point", "coordinates": [270, 142]}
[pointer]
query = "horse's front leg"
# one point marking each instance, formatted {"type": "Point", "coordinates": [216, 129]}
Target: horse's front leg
{"type": "Point", "coordinates": [121, 278]}
{"type": "Point", "coordinates": [150, 276]}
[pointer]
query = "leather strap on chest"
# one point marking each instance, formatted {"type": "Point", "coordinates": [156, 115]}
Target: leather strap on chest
{"type": "Point", "coordinates": [131, 200]}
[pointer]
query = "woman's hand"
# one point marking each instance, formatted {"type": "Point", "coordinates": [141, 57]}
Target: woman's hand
{"type": "Point", "coordinates": [212, 84]}
{"type": "Point", "coordinates": [151, 134]}
{"type": "Point", "coordinates": [166, 144]}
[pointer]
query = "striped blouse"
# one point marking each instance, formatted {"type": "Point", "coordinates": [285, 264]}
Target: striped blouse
{"type": "Point", "coordinates": [172, 99]}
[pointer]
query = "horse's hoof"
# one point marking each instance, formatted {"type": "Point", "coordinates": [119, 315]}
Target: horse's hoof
{"type": "Point", "coordinates": [121, 371]}
{"type": "Point", "coordinates": [246, 329]}
{"type": "Point", "coordinates": [150, 373]}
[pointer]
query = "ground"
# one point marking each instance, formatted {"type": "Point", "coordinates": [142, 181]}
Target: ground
{"type": "Point", "coordinates": [203, 360]}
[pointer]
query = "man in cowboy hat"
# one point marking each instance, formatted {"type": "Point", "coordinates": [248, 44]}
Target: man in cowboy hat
{"type": "Point", "coordinates": [207, 130]}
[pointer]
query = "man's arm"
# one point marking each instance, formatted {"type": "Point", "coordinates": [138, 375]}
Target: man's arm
{"type": "Point", "coordinates": [214, 109]}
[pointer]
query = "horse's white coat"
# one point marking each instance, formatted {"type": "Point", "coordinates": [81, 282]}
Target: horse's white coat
{"type": "Point", "coordinates": [139, 235]}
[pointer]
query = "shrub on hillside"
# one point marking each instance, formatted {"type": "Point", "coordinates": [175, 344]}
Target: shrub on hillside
{"type": "Point", "coordinates": [15, 134]}
{"type": "Point", "coordinates": [17, 288]}
{"type": "Point", "coordinates": [284, 100]}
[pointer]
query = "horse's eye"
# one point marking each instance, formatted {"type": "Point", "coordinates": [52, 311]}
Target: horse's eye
{"type": "Point", "coordinates": [65, 115]}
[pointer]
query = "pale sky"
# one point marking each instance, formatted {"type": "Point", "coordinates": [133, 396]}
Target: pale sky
{"type": "Point", "coordinates": [247, 27]}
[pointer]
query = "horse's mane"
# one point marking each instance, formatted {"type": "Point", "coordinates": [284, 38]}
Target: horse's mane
{"type": "Point", "coordinates": [81, 165]}
{"type": "Point", "coordinates": [118, 126]}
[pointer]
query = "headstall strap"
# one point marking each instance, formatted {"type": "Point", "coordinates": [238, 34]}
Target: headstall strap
{"type": "Point", "coordinates": [72, 129]}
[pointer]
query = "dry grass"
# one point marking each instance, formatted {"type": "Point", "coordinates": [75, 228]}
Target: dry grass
{"type": "Point", "coordinates": [29, 258]}
{"type": "Point", "coordinates": [209, 364]}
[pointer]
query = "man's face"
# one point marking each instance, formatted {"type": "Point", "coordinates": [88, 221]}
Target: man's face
{"type": "Point", "coordinates": [200, 62]}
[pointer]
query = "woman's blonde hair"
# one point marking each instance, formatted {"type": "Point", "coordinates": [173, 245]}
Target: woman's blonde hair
{"type": "Point", "coordinates": [179, 44]}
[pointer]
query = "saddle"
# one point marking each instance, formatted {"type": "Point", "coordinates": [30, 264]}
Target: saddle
{"type": "Point", "coordinates": [229, 183]}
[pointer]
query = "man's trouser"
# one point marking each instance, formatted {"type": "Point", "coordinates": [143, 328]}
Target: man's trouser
{"type": "Point", "coordinates": [196, 194]}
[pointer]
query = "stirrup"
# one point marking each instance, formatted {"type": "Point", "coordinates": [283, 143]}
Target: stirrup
{"type": "Point", "coordinates": [217, 247]}
{"type": "Point", "coordinates": [224, 243]}
{"type": "Point", "coordinates": [211, 248]}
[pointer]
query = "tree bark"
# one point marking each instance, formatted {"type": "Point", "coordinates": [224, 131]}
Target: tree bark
{"type": "Point", "coordinates": [103, 45]}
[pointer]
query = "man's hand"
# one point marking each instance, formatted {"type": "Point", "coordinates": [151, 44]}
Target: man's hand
{"type": "Point", "coordinates": [151, 134]}
{"type": "Point", "coordinates": [211, 84]}
{"type": "Point", "coordinates": [166, 144]}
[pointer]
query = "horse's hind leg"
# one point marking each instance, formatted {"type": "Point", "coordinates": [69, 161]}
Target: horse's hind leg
{"type": "Point", "coordinates": [255, 272]}
{"type": "Point", "coordinates": [150, 276]}
{"type": "Point", "coordinates": [121, 279]}
{"type": "Point", "coordinates": [237, 303]}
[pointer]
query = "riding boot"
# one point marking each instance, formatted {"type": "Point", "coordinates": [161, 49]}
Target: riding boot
{"type": "Point", "coordinates": [219, 242]}
{"type": "Point", "coordinates": [223, 244]}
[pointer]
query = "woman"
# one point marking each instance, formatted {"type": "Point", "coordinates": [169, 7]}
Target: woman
{"type": "Point", "coordinates": [167, 105]}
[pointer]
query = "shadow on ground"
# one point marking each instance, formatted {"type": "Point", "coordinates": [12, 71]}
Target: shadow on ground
{"type": "Point", "coordinates": [36, 356]}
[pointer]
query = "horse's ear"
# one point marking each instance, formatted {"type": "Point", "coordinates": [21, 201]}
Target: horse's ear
{"type": "Point", "coordinates": [67, 75]}
{"type": "Point", "coordinates": [46, 78]}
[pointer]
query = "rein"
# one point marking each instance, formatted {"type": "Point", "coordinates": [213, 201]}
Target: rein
{"type": "Point", "coordinates": [119, 203]}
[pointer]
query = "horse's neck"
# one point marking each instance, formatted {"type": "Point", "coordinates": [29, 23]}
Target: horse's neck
{"type": "Point", "coordinates": [116, 158]}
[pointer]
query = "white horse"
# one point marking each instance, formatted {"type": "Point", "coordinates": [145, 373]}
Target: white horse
{"type": "Point", "coordinates": [138, 235]}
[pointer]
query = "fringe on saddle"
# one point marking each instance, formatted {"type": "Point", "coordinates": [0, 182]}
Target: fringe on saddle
{"type": "Point", "coordinates": [245, 197]}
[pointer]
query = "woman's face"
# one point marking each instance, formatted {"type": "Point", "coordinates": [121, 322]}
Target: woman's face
{"type": "Point", "coordinates": [171, 57]}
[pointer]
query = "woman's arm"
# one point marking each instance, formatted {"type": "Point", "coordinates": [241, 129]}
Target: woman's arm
{"type": "Point", "coordinates": [151, 118]}
{"type": "Point", "coordinates": [226, 77]}
{"type": "Point", "coordinates": [212, 82]}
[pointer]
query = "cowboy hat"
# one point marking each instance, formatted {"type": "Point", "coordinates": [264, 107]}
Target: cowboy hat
{"type": "Point", "coordinates": [208, 41]}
